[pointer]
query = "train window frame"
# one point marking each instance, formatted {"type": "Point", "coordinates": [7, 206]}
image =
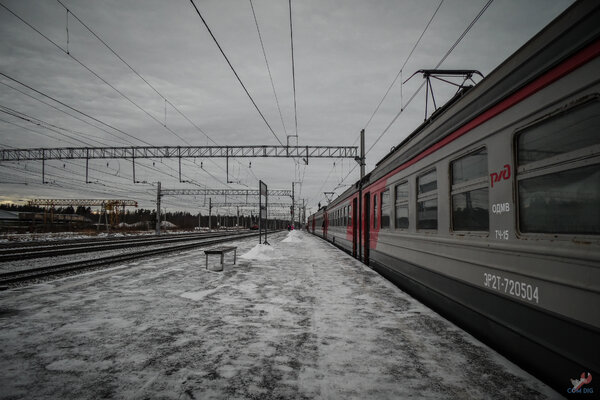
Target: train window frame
{"type": "Point", "coordinates": [386, 193]}
{"type": "Point", "coordinates": [404, 202]}
{"type": "Point", "coordinates": [347, 213]}
{"type": "Point", "coordinates": [427, 197]}
{"type": "Point", "coordinates": [467, 186]}
{"type": "Point", "coordinates": [346, 216]}
{"type": "Point", "coordinates": [375, 214]}
{"type": "Point", "coordinates": [350, 215]}
{"type": "Point", "coordinates": [572, 161]}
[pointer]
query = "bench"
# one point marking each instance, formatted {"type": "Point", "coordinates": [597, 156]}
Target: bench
{"type": "Point", "coordinates": [221, 250]}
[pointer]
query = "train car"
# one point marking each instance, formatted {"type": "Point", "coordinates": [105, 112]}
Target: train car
{"type": "Point", "coordinates": [489, 212]}
{"type": "Point", "coordinates": [318, 222]}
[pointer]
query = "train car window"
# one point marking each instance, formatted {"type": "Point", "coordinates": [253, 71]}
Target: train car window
{"type": "Point", "coordinates": [375, 211]}
{"type": "Point", "coordinates": [427, 217]}
{"type": "Point", "coordinates": [347, 215]}
{"type": "Point", "coordinates": [561, 193]}
{"type": "Point", "coordinates": [427, 182]}
{"type": "Point", "coordinates": [350, 215]}
{"type": "Point", "coordinates": [550, 138]}
{"type": "Point", "coordinates": [427, 214]}
{"type": "Point", "coordinates": [402, 206]}
{"type": "Point", "coordinates": [386, 209]}
{"type": "Point", "coordinates": [563, 202]}
{"type": "Point", "coordinates": [469, 167]}
{"type": "Point", "coordinates": [470, 193]}
{"type": "Point", "coordinates": [470, 211]}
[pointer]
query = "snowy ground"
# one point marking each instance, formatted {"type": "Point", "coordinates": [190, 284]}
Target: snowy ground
{"type": "Point", "coordinates": [60, 236]}
{"type": "Point", "coordinates": [18, 265]}
{"type": "Point", "coordinates": [299, 320]}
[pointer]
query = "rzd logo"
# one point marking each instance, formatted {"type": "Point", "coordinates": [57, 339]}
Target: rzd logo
{"type": "Point", "coordinates": [498, 176]}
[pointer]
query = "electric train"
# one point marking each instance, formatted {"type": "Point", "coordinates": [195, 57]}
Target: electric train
{"type": "Point", "coordinates": [489, 212]}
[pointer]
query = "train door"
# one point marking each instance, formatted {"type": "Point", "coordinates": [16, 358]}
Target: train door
{"type": "Point", "coordinates": [355, 223]}
{"type": "Point", "coordinates": [367, 225]}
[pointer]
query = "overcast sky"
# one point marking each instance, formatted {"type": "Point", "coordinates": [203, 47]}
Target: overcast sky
{"type": "Point", "coordinates": [347, 53]}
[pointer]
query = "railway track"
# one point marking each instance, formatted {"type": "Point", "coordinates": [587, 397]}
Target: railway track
{"type": "Point", "coordinates": [19, 277]}
{"type": "Point", "coordinates": [87, 245]}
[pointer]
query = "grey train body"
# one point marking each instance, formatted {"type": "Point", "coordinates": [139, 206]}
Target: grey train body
{"type": "Point", "coordinates": [489, 212]}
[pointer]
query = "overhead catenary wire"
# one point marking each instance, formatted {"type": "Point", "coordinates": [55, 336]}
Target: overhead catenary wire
{"type": "Point", "coordinates": [34, 131]}
{"type": "Point", "coordinates": [163, 123]}
{"type": "Point", "coordinates": [73, 108]}
{"type": "Point", "coordinates": [262, 45]}
{"type": "Point", "coordinates": [167, 101]}
{"type": "Point", "coordinates": [49, 126]}
{"type": "Point", "coordinates": [97, 75]}
{"type": "Point", "coordinates": [121, 140]}
{"type": "Point", "coordinates": [450, 50]}
{"type": "Point", "coordinates": [235, 72]}
{"type": "Point", "coordinates": [92, 72]}
{"type": "Point", "coordinates": [403, 65]}
{"type": "Point", "coordinates": [293, 69]}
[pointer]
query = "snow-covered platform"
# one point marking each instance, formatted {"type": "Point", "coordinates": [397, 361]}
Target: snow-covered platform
{"type": "Point", "coordinates": [301, 320]}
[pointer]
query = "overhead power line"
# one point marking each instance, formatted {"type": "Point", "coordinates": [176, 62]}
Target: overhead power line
{"type": "Point", "coordinates": [403, 64]}
{"type": "Point", "coordinates": [167, 101]}
{"type": "Point", "coordinates": [73, 108]}
{"type": "Point", "coordinates": [293, 68]}
{"type": "Point", "coordinates": [135, 72]}
{"type": "Point", "coordinates": [460, 38]}
{"type": "Point", "coordinates": [67, 113]}
{"type": "Point", "coordinates": [450, 50]}
{"type": "Point", "coordinates": [235, 72]}
{"type": "Point", "coordinates": [268, 68]}
{"type": "Point", "coordinates": [93, 73]}
{"type": "Point", "coordinates": [48, 126]}
{"type": "Point", "coordinates": [99, 77]}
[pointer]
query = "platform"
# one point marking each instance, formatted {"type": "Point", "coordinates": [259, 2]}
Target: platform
{"type": "Point", "coordinates": [298, 320]}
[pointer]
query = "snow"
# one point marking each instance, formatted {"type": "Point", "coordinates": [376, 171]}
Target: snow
{"type": "Point", "coordinates": [293, 236]}
{"type": "Point", "coordinates": [305, 321]}
{"type": "Point", "coordinates": [261, 252]}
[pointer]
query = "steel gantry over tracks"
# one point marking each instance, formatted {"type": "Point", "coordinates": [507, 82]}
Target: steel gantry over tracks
{"type": "Point", "coordinates": [220, 192]}
{"type": "Point", "coordinates": [179, 152]}
{"type": "Point", "coordinates": [88, 153]}
{"type": "Point", "coordinates": [160, 192]}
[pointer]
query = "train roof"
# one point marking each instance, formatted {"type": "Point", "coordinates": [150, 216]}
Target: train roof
{"type": "Point", "coordinates": [568, 33]}
{"type": "Point", "coordinates": [571, 31]}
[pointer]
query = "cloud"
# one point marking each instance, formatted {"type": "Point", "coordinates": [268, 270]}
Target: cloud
{"type": "Point", "coordinates": [346, 54]}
